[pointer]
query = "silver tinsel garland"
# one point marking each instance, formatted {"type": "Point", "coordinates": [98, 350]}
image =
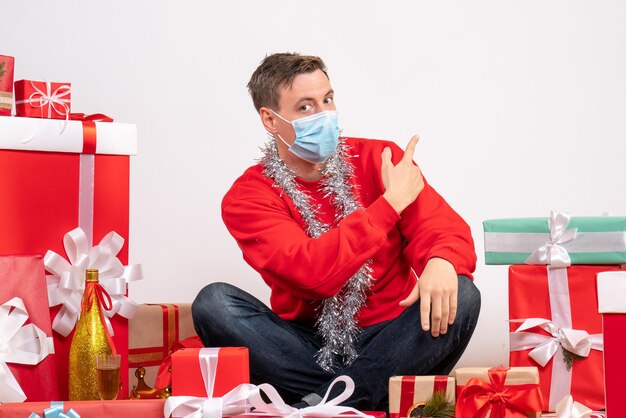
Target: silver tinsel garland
{"type": "Point", "coordinates": [336, 321]}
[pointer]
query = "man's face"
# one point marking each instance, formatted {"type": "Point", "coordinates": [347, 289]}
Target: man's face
{"type": "Point", "coordinates": [310, 93]}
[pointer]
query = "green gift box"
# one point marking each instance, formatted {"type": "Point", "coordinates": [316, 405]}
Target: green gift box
{"type": "Point", "coordinates": [557, 241]}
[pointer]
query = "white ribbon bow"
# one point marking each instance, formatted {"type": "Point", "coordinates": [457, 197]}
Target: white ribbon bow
{"type": "Point", "coordinates": [233, 403]}
{"type": "Point", "coordinates": [241, 399]}
{"type": "Point", "coordinates": [567, 408]}
{"type": "Point", "coordinates": [67, 282]}
{"type": "Point", "coordinates": [552, 253]}
{"type": "Point", "coordinates": [326, 408]}
{"type": "Point", "coordinates": [20, 344]}
{"type": "Point", "coordinates": [544, 347]}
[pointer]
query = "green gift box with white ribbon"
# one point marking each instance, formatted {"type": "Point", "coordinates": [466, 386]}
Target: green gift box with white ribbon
{"type": "Point", "coordinates": [558, 241]}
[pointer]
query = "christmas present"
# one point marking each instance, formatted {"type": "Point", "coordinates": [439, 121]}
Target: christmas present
{"type": "Point", "coordinates": [150, 408]}
{"type": "Point", "coordinates": [27, 367]}
{"type": "Point", "coordinates": [557, 241]}
{"type": "Point", "coordinates": [91, 134]}
{"type": "Point", "coordinates": [227, 366]}
{"type": "Point", "coordinates": [42, 99]}
{"type": "Point", "coordinates": [612, 305]}
{"type": "Point", "coordinates": [560, 331]}
{"type": "Point", "coordinates": [46, 194]}
{"type": "Point", "coordinates": [406, 391]}
{"type": "Point", "coordinates": [152, 333]}
{"type": "Point", "coordinates": [497, 392]}
{"type": "Point", "coordinates": [6, 85]}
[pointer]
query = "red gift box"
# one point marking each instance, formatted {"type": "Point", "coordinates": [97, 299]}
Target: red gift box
{"type": "Point", "coordinates": [42, 99]}
{"type": "Point", "coordinates": [612, 306]}
{"type": "Point", "coordinates": [406, 391]}
{"type": "Point", "coordinates": [24, 277]}
{"type": "Point", "coordinates": [566, 297]}
{"type": "Point", "coordinates": [6, 85]}
{"type": "Point", "coordinates": [47, 194]}
{"type": "Point", "coordinates": [150, 408]}
{"type": "Point", "coordinates": [230, 366]}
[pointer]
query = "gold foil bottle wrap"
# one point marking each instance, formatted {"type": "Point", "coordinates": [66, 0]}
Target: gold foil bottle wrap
{"type": "Point", "coordinates": [90, 339]}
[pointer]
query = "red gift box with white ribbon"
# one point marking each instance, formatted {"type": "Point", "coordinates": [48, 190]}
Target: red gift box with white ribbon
{"type": "Point", "coordinates": [552, 310]}
{"type": "Point", "coordinates": [43, 99]}
{"type": "Point", "coordinates": [612, 306]}
{"type": "Point", "coordinates": [56, 176]}
{"type": "Point", "coordinates": [227, 367]}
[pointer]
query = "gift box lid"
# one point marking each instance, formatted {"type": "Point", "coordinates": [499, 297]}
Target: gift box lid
{"type": "Point", "coordinates": [514, 375]}
{"type": "Point", "coordinates": [54, 135]}
{"type": "Point", "coordinates": [598, 240]}
{"type": "Point", "coordinates": [611, 291]}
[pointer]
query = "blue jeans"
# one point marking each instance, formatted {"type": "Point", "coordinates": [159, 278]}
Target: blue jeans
{"type": "Point", "coordinates": [282, 353]}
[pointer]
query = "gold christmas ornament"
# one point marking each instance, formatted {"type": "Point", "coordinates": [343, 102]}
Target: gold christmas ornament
{"type": "Point", "coordinates": [91, 338]}
{"type": "Point", "coordinates": [143, 391]}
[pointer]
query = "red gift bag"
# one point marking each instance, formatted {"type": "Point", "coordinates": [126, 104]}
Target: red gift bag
{"type": "Point", "coordinates": [24, 277]}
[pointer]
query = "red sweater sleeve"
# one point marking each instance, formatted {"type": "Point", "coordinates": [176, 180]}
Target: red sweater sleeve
{"type": "Point", "coordinates": [274, 243]}
{"type": "Point", "coordinates": [433, 229]}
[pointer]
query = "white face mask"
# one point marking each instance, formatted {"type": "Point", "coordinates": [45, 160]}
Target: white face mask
{"type": "Point", "coordinates": [317, 136]}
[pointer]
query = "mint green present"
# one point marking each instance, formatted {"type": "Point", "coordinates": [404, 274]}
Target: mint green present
{"type": "Point", "coordinates": [557, 241]}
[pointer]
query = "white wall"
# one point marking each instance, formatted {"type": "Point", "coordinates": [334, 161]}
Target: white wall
{"type": "Point", "coordinates": [521, 107]}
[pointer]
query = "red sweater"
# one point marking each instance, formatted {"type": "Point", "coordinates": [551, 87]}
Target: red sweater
{"type": "Point", "coordinates": [301, 271]}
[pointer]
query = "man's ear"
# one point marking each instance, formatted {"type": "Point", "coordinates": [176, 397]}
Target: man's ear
{"type": "Point", "coordinates": [268, 119]}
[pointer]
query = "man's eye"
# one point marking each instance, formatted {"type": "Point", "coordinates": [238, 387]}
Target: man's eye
{"type": "Point", "coordinates": [328, 100]}
{"type": "Point", "coordinates": [305, 108]}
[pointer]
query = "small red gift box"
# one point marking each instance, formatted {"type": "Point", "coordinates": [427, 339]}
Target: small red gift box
{"type": "Point", "coordinates": [497, 392]}
{"type": "Point", "coordinates": [150, 408]}
{"type": "Point", "coordinates": [557, 308]}
{"type": "Point", "coordinates": [24, 277]}
{"type": "Point", "coordinates": [42, 99]}
{"type": "Point", "coordinates": [612, 305]}
{"type": "Point", "coordinates": [6, 85]}
{"type": "Point", "coordinates": [229, 365]}
{"type": "Point", "coordinates": [406, 391]}
{"type": "Point", "coordinates": [49, 187]}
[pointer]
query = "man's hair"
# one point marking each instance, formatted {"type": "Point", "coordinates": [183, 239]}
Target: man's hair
{"type": "Point", "coordinates": [277, 71]}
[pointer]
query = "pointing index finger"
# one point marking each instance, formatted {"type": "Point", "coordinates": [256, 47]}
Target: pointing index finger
{"type": "Point", "coordinates": [410, 148]}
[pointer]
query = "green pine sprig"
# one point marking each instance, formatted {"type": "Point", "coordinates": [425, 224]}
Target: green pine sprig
{"type": "Point", "coordinates": [2, 70]}
{"type": "Point", "coordinates": [438, 405]}
{"type": "Point", "coordinates": [569, 358]}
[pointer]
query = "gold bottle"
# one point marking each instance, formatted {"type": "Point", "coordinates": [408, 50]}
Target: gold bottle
{"type": "Point", "coordinates": [90, 339]}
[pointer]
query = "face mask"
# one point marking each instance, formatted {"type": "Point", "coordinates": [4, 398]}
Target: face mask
{"type": "Point", "coordinates": [317, 136]}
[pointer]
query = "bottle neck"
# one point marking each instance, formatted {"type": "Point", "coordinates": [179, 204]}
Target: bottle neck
{"type": "Point", "coordinates": [91, 276]}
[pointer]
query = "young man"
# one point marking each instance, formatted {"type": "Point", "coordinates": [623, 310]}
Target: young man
{"type": "Point", "coordinates": [338, 228]}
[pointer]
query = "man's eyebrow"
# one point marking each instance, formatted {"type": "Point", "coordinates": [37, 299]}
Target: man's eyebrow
{"type": "Point", "coordinates": [304, 99]}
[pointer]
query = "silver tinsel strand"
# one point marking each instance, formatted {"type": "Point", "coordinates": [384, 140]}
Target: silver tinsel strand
{"type": "Point", "coordinates": [336, 321]}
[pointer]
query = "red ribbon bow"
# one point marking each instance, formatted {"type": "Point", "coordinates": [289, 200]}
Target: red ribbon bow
{"type": "Point", "coordinates": [89, 129]}
{"type": "Point", "coordinates": [512, 401]}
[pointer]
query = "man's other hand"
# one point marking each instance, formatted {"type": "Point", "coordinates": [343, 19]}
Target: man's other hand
{"type": "Point", "coordinates": [437, 289]}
